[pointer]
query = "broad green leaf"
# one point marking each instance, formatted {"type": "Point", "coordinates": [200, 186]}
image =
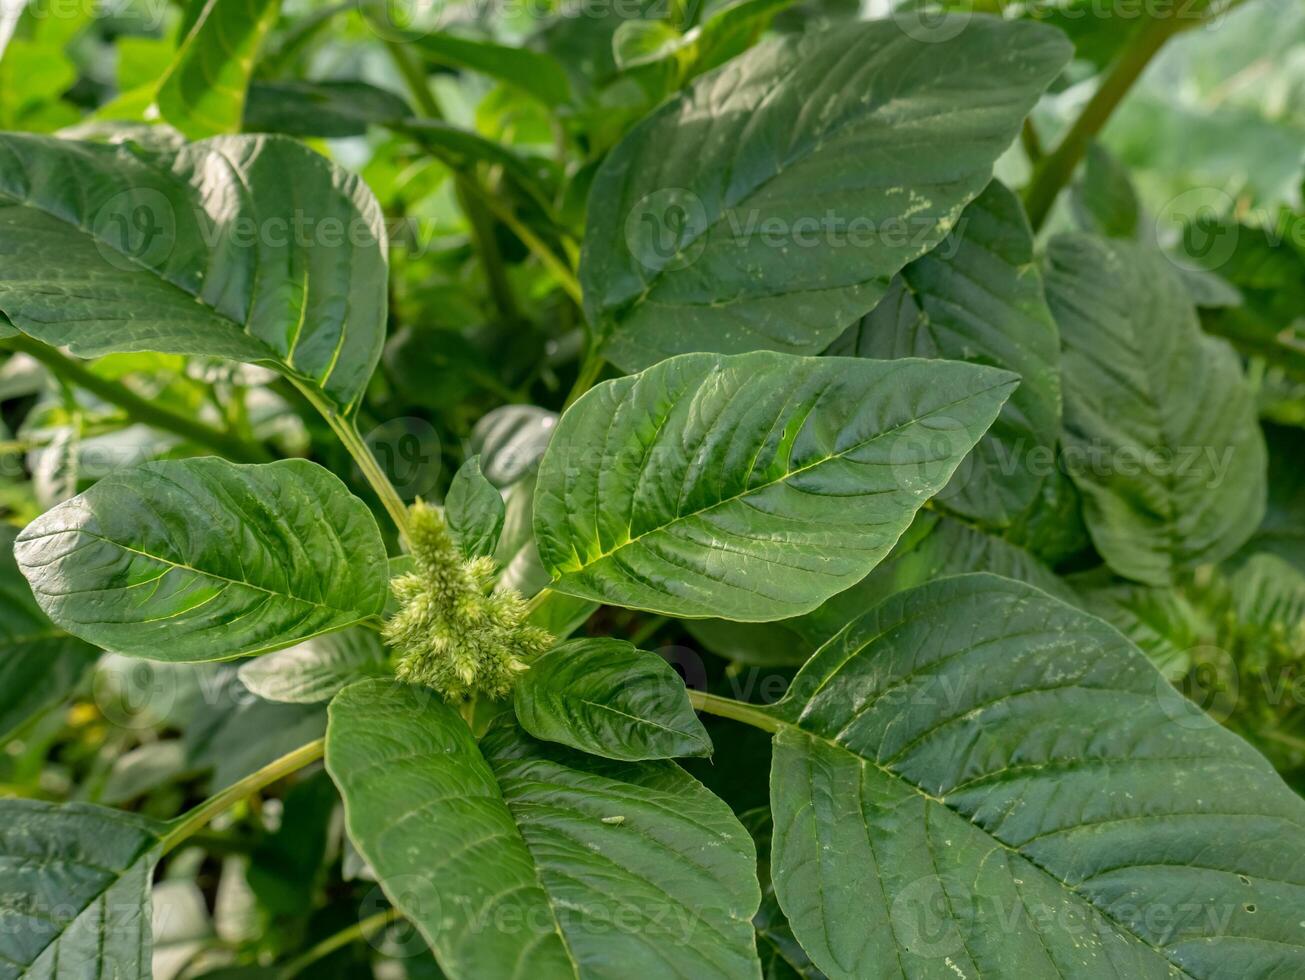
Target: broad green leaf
{"type": "Point", "coordinates": [39, 665]}
{"type": "Point", "coordinates": [534, 72]}
{"type": "Point", "coordinates": [977, 779]}
{"type": "Point", "coordinates": [536, 859]}
{"type": "Point", "coordinates": [202, 559]}
{"type": "Point", "coordinates": [769, 205]}
{"type": "Point", "coordinates": [1103, 198]}
{"type": "Point", "coordinates": [203, 92]}
{"type": "Point", "coordinates": [331, 109]}
{"type": "Point", "coordinates": [978, 297]}
{"type": "Point", "coordinates": [750, 487]}
{"type": "Point", "coordinates": [318, 669]}
{"type": "Point", "coordinates": [76, 887]}
{"type": "Point", "coordinates": [252, 248]}
{"type": "Point", "coordinates": [1160, 429]}
{"type": "Point", "coordinates": [608, 698]}
{"type": "Point", "coordinates": [474, 510]}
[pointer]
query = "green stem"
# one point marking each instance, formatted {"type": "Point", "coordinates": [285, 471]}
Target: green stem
{"type": "Point", "coordinates": [347, 432]}
{"type": "Point", "coordinates": [469, 193]}
{"type": "Point", "coordinates": [748, 714]}
{"type": "Point", "coordinates": [186, 825]}
{"type": "Point", "coordinates": [138, 408]}
{"type": "Point", "coordinates": [360, 930]}
{"type": "Point", "coordinates": [1057, 168]}
{"type": "Point", "coordinates": [590, 369]}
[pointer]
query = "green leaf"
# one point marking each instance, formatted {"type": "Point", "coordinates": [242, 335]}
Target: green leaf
{"type": "Point", "coordinates": [976, 777]}
{"type": "Point", "coordinates": [641, 42]}
{"type": "Point", "coordinates": [536, 858]}
{"type": "Point", "coordinates": [1283, 531]}
{"type": "Point", "coordinates": [318, 669]}
{"type": "Point", "coordinates": [203, 92]}
{"type": "Point", "coordinates": [750, 487]}
{"type": "Point", "coordinates": [1160, 621]}
{"type": "Point", "coordinates": [978, 297]}
{"type": "Point", "coordinates": [252, 248]}
{"type": "Point", "coordinates": [1103, 198]}
{"type": "Point", "coordinates": [608, 698]}
{"type": "Point", "coordinates": [39, 665]}
{"type": "Point", "coordinates": [76, 887]}
{"type": "Point", "coordinates": [1160, 429]}
{"type": "Point", "coordinates": [474, 510]}
{"type": "Point", "coordinates": [331, 109]}
{"type": "Point", "coordinates": [769, 205]}
{"type": "Point", "coordinates": [534, 72]}
{"type": "Point", "coordinates": [202, 559]}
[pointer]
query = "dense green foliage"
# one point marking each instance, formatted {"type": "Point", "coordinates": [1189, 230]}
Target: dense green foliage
{"type": "Point", "coordinates": [746, 489]}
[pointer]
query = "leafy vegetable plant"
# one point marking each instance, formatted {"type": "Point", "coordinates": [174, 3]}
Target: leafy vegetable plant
{"type": "Point", "coordinates": [869, 546]}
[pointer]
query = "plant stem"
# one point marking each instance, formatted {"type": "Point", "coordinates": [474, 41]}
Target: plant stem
{"type": "Point", "coordinates": [138, 408]}
{"type": "Point", "coordinates": [590, 368]}
{"type": "Point", "coordinates": [360, 930]}
{"type": "Point", "coordinates": [186, 825]}
{"type": "Point", "coordinates": [1057, 168]}
{"type": "Point", "coordinates": [748, 714]}
{"type": "Point", "coordinates": [347, 432]}
{"type": "Point", "coordinates": [469, 193]}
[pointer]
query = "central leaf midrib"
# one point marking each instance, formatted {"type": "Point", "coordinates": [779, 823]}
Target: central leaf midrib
{"type": "Point", "coordinates": [749, 491]}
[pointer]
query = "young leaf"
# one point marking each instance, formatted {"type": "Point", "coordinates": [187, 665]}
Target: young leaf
{"type": "Point", "coordinates": [769, 205]}
{"type": "Point", "coordinates": [252, 248]}
{"type": "Point", "coordinates": [317, 670]}
{"type": "Point", "coordinates": [978, 297]}
{"type": "Point", "coordinates": [972, 752]}
{"type": "Point", "coordinates": [76, 887]}
{"type": "Point", "coordinates": [608, 698]}
{"type": "Point", "coordinates": [1160, 429]}
{"type": "Point", "coordinates": [40, 665]}
{"type": "Point", "coordinates": [202, 559]}
{"type": "Point", "coordinates": [203, 92]}
{"type": "Point", "coordinates": [535, 858]}
{"type": "Point", "coordinates": [750, 487]}
{"type": "Point", "coordinates": [474, 510]}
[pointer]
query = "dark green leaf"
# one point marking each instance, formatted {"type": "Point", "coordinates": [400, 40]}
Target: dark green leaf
{"type": "Point", "coordinates": [750, 487]}
{"type": "Point", "coordinates": [1162, 623]}
{"type": "Point", "coordinates": [474, 510]}
{"type": "Point", "coordinates": [252, 248]}
{"type": "Point", "coordinates": [1103, 198]}
{"type": "Point", "coordinates": [1283, 530]}
{"type": "Point", "coordinates": [332, 109]}
{"type": "Point", "coordinates": [771, 203]}
{"type": "Point", "coordinates": [608, 698]}
{"type": "Point", "coordinates": [978, 297]}
{"type": "Point", "coordinates": [536, 858]}
{"type": "Point", "coordinates": [1160, 429]}
{"type": "Point", "coordinates": [976, 777]}
{"type": "Point", "coordinates": [203, 559]}
{"type": "Point", "coordinates": [76, 887]}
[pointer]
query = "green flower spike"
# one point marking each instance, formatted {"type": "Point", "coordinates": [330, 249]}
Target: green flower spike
{"type": "Point", "coordinates": [453, 632]}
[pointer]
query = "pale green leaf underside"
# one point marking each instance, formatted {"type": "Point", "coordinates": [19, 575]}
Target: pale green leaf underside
{"type": "Point", "coordinates": [202, 559]}
{"type": "Point", "coordinates": [1161, 435]}
{"type": "Point", "coordinates": [750, 487]}
{"type": "Point", "coordinates": [474, 510]}
{"type": "Point", "coordinates": [769, 205]}
{"type": "Point", "coordinates": [203, 91]}
{"type": "Point", "coordinates": [75, 892]}
{"type": "Point", "coordinates": [977, 779]}
{"type": "Point", "coordinates": [519, 861]}
{"type": "Point", "coordinates": [609, 698]}
{"type": "Point", "coordinates": [252, 248]}
{"type": "Point", "coordinates": [316, 670]}
{"type": "Point", "coordinates": [39, 664]}
{"type": "Point", "coordinates": [978, 297]}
